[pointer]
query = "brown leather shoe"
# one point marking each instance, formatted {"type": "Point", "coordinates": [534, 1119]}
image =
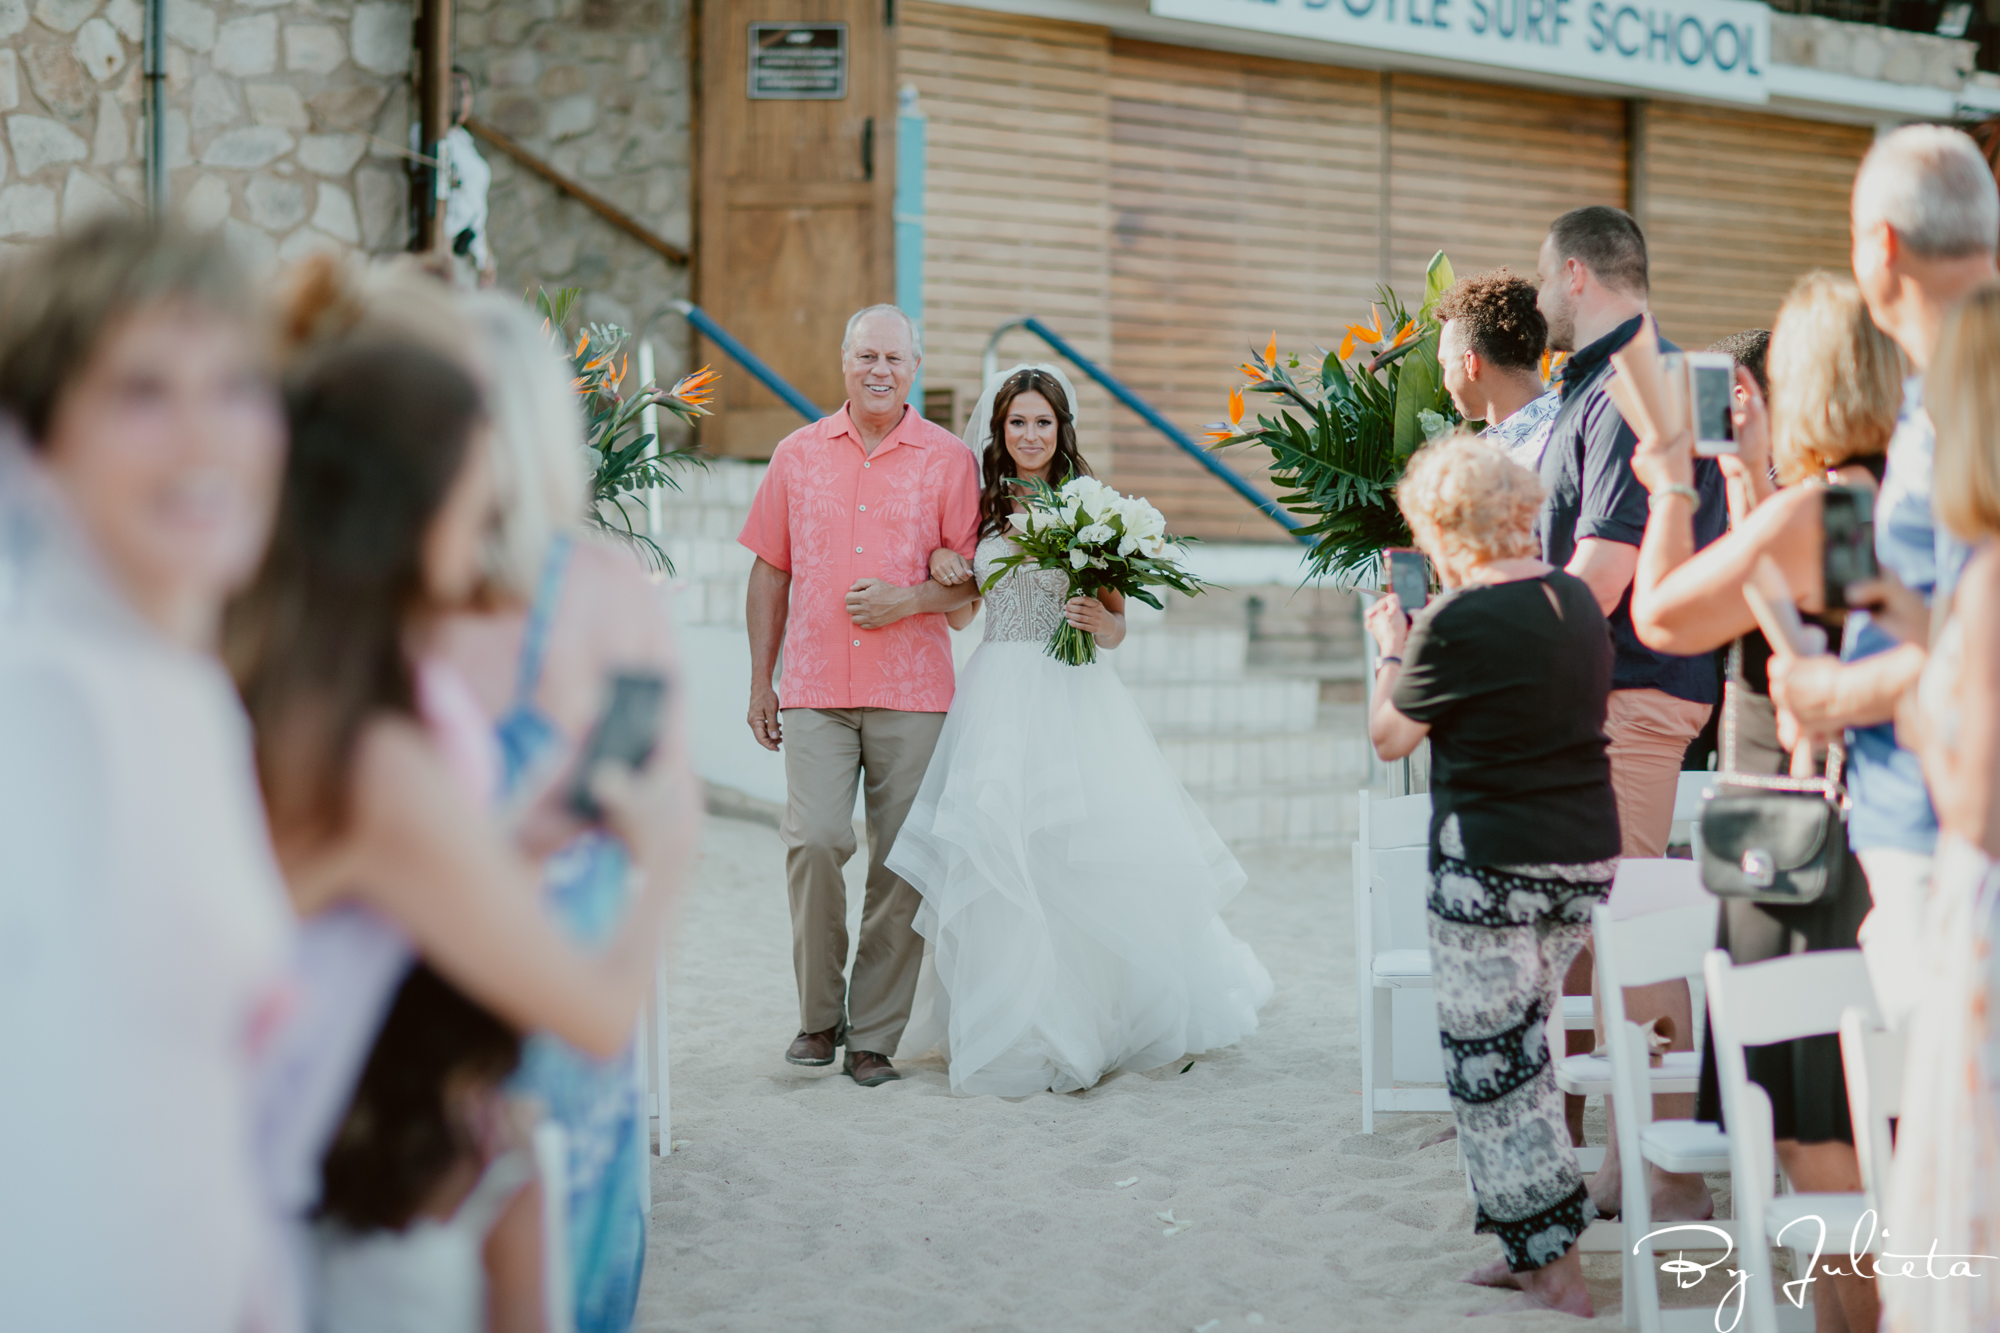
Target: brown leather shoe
{"type": "Point", "coordinates": [813, 1048]}
{"type": "Point", "coordinates": [869, 1069]}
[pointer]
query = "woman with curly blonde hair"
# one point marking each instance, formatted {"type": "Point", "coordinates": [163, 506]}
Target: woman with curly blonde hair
{"type": "Point", "coordinates": [1507, 672]}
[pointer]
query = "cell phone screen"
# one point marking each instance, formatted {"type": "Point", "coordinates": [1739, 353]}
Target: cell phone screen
{"type": "Point", "coordinates": [1410, 579]}
{"type": "Point", "coordinates": [1714, 396]}
{"type": "Point", "coordinates": [1847, 520]}
{"type": "Point", "coordinates": [625, 733]}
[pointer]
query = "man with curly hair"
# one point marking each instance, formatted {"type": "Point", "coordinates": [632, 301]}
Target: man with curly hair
{"type": "Point", "coordinates": [1490, 349]}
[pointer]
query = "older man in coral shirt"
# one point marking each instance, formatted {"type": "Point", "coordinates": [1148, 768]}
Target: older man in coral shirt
{"type": "Point", "coordinates": [843, 527]}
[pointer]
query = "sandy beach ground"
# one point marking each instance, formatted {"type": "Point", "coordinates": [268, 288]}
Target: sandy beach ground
{"type": "Point", "coordinates": [802, 1201]}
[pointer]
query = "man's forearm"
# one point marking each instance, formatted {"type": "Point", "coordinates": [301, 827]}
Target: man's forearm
{"type": "Point", "coordinates": [765, 611]}
{"type": "Point", "coordinates": [1606, 568]}
{"type": "Point", "coordinates": [932, 597]}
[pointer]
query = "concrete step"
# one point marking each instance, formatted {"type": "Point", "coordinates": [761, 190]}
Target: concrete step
{"type": "Point", "coordinates": [1266, 704]}
{"type": "Point", "coordinates": [1329, 757]}
{"type": "Point", "coordinates": [1156, 650]}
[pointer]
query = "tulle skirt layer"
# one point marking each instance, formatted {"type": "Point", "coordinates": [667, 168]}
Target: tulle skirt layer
{"type": "Point", "coordinates": [1071, 888]}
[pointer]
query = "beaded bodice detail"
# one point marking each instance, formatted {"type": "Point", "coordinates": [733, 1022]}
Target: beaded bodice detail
{"type": "Point", "coordinates": [1027, 604]}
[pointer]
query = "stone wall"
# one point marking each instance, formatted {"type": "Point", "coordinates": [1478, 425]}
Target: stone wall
{"type": "Point", "coordinates": [281, 126]}
{"type": "Point", "coordinates": [288, 123]}
{"type": "Point", "coordinates": [1866, 51]}
{"type": "Point", "coordinates": [600, 90]}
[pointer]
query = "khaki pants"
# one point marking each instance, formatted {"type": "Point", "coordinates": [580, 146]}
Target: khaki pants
{"type": "Point", "coordinates": [1648, 731]}
{"type": "Point", "coordinates": [827, 752]}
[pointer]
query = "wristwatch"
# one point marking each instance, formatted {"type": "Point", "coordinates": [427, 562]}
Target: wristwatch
{"type": "Point", "coordinates": [1693, 495]}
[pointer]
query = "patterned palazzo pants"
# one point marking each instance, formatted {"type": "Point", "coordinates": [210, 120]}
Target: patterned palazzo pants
{"type": "Point", "coordinates": [1502, 937]}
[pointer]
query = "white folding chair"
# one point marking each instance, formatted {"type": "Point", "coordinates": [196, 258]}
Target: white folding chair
{"type": "Point", "coordinates": [1872, 1058]}
{"type": "Point", "coordinates": [1665, 940]}
{"type": "Point", "coordinates": [1784, 999]}
{"type": "Point", "coordinates": [1392, 953]}
{"type": "Point", "coordinates": [551, 1147]}
{"type": "Point", "coordinates": [1647, 884]}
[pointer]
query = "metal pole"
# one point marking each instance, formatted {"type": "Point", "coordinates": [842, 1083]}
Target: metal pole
{"type": "Point", "coordinates": [434, 118]}
{"type": "Point", "coordinates": [649, 422]}
{"type": "Point", "coordinates": [156, 108]}
{"type": "Point", "coordinates": [911, 134]}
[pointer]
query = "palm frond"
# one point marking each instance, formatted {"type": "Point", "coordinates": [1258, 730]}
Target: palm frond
{"type": "Point", "coordinates": [614, 422]}
{"type": "Point", "coordinates": [1341, 438]}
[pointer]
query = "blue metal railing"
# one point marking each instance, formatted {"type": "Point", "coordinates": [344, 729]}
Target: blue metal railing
{"type": "Point", "coordinates": [1146, 413]}
{"type": "Point", "coordinates": [799, 403]}
{"type": "Point", "coordinates": [749, 360]}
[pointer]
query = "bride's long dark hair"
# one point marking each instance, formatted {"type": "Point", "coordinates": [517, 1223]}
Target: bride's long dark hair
{"type": "Point", "coordinates": [996, 497]}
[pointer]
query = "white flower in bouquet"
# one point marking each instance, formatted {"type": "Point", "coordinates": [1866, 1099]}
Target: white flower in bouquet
{"type": "Point", "coordinates": [1023, 520]}
{"type": "Point", "coordinates": [1142, 520]}
{"type": "Point", "coordinates": [1095, 535]}
{"type": "Point", "coordinates": [1078, 558]}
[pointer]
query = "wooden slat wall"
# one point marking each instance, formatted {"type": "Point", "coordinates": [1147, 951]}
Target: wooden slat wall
{"type": "Point", "coordinates": [1736, 207]}
{"type": "Point", "coordinates": [1480, 171]}
{"type": "Point", "coordinates": [1246, 194]}
{"type": "Point", "coordinates": [1018, 202]}
{"type": "Point", "coordinates": [1166, 207]}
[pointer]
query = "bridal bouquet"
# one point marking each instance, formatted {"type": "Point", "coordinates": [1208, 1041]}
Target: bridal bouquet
{"type": "Point", "coordinates": [1101, 539]}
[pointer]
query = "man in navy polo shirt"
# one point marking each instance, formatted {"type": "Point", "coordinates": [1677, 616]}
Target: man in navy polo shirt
{"type": "Point", "coordinates": [1594, 289]}
{"type": "Point", "coordinates": [1593, 292]}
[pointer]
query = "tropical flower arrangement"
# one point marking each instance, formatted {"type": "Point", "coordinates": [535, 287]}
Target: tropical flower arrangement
{"type": "Point", "coordinates": [619, 452]}
{"type": "Point", "coordinates": [1343, 432]}
{"type": "Point", "coordinates": [1100, 539]}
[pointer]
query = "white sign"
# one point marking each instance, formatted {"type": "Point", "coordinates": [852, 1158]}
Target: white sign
{"type": "Point", "coordinates": [1707, 48]}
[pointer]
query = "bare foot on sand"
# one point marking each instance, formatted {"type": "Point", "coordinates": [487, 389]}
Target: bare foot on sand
{"type": "Point", "coordinates": [1680, 1198]}
{"type": "Point", "coordinates": [1557, 1286]}
{"type": "Point", "coordinates": [1674, 1198]}
{"type": "Point", "coordinates": [1495, 1274]}
{"type": "Point", "coordinates": [1445, 1135]}
{"type": "Point", "coordinates": [1576, 1302]}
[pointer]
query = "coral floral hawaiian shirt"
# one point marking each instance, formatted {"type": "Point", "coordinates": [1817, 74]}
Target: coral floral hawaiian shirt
{"type": "Point", "coordinates": [830, 513]}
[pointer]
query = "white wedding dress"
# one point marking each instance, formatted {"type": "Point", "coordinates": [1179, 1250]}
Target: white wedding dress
{"type": "Point", "coordinates": [1070, 884]}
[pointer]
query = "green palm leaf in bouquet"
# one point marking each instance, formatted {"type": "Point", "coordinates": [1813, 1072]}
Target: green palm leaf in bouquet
{"type": "Point", "coordinates": [625, 464]}
{"type": "Point", "coordinates": [1340, 436]}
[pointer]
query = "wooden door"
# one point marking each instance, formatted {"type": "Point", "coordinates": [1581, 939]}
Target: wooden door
{"type": "Point", "coordinates": [795, 227]}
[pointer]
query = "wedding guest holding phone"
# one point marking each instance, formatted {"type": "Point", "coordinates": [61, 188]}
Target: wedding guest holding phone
{"type": "Point", "coordinates": [377, 764]}
{"type": "Point", "coordinates": [1926, 217]}
{"type": "Point", "coordinates": [1507, 674]}
{"type": "Point", "coordinates": [1946, 1185]}
{"type": "Point", "coordinates": [147, 932]}
{"type": "Point", "coordinates": [1835, 386]}
{"type": "Point", "coordinates": [569, 613]}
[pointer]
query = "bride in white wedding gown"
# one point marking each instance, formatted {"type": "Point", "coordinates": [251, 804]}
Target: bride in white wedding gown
{"type": "Point", "coordinates": [1070, 885]}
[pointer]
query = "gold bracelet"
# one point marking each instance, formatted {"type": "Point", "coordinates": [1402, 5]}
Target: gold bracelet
{"type": "Point", "coordinates": [1693, 495]}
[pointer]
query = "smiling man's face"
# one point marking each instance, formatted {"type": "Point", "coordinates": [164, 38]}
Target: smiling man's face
{"type": "Point", "coordinates": [879, 366]}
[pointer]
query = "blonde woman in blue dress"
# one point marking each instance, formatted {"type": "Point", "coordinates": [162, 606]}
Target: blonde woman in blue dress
{"type": "Point", "coordinates": [1071, 887]}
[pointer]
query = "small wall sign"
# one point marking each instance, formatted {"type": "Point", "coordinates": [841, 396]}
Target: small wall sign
{"type": "Point", "coordinates": [798, 62]}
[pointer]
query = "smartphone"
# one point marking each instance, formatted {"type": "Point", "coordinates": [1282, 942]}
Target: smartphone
{"type": "Point", "coordinates": [625, 733]}
{"type": "Point", "coordinates": [1711, 401]}
{"type": "Point", "coordinates": [1847, 521]}
{"type": "Point", "coordinates": [1409, 578]}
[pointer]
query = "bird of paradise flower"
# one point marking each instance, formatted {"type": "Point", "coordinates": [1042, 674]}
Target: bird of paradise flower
{"type": "Point", "coordinates": [625, 466]}
{"type": "Point", "coordinates": [1341, 432]}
